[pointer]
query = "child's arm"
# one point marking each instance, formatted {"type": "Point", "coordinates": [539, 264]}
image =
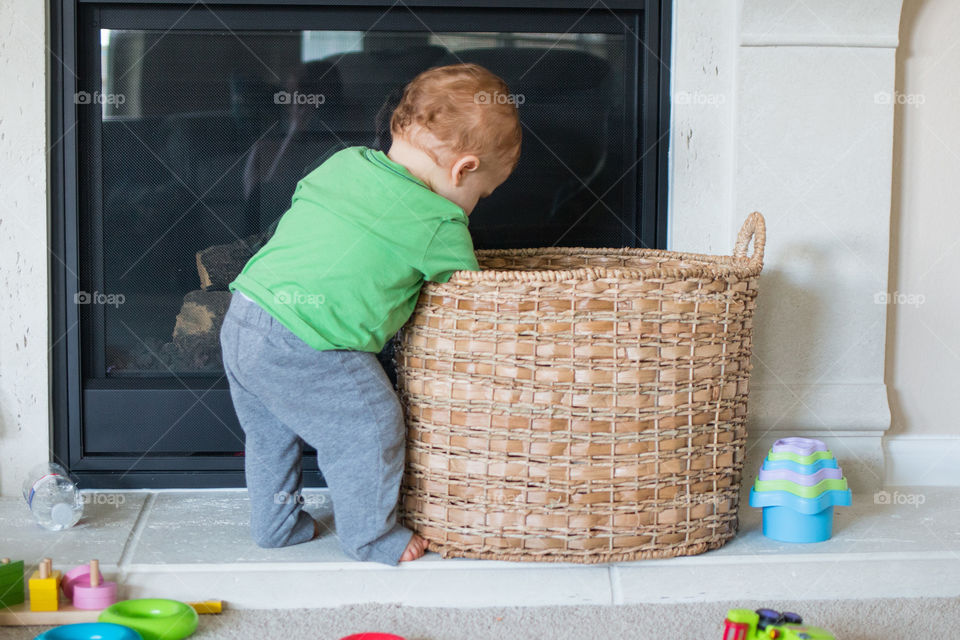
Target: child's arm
{"type": "Point", "coordinates": [450, 249]}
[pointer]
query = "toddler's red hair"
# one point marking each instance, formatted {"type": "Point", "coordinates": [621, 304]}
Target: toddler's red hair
{"type": "Point", "coordinates": [464, 106]}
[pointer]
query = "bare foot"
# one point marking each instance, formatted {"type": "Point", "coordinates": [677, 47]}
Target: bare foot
{"type": "Point", "coordinates": [415, 549]}
{"type": "Point", "coordinates": [316, 530]}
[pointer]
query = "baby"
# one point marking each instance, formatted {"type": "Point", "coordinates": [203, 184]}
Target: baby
{"type": "Point", "coordinates": [340, 276]}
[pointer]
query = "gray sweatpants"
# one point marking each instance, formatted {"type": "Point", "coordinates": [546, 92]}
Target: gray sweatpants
{"type": "Point", "coordinates": [341, 403]}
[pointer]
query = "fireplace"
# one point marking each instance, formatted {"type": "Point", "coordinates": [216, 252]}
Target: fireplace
{"type": "Point", "coordinates": [186, 127]}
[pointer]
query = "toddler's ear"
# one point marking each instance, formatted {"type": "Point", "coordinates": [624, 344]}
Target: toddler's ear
{"type": "Point", "coordinates": [462, 166]}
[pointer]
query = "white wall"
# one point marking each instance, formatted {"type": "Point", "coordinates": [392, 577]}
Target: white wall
{"type": "Point", "coordinates": [24, 339]}
{"type": "Point", "coordinates": [923, 341]}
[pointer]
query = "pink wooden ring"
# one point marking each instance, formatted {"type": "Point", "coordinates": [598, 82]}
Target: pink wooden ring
{"type": "Point", "coordinates": [99, 597]}
{"type": "Point", "coordinates": [77, 575]}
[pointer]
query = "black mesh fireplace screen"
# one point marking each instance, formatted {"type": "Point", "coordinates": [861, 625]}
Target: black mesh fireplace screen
{"type": "Point", "coordinates": [185, 130]}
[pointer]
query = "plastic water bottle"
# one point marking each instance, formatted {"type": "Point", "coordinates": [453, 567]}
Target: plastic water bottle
{"type": "Point", "coordinates": [52, 497]}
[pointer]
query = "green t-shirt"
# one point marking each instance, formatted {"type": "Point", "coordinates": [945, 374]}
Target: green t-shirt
{"type": "Point", "coordinates": [344, 268]}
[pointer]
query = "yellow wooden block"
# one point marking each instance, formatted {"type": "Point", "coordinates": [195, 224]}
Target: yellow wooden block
{"type": "Point", "coordinates": [207, 606]}
{"type": "Point", "coordinates": [55, 576]}
{"type": "Point", "coordinates": [44, 592]}
{"type": "Point", "coordinates": [50, 584]}
{"type": "Point", "coordinates": [43, 595]}
{"type": "Point", "coordinates": [44, 600]}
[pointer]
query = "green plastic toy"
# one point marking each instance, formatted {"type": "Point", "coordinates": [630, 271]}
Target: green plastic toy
{"type": "Point", "coordinates": [768, 624]}
{"type": "Point", "coordinates": [154, 618]}
{"type": "Point", "coordinates": [11, 582]}
{"type": "Point", "coordinates": [809, 459]}
{"type": "Point", "coordinates": [830, 484]}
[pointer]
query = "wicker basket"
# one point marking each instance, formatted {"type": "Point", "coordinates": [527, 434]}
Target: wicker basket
{"type": "Point", "coordinates": [584, 405]}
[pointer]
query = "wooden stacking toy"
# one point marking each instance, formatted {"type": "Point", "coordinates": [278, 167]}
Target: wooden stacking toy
{"type": "Point", "coordinates": [78, 573]}
{"type": "Point", "coordinates": [44, 587]}
{"type": "Point", "coordinates": [798, 486]}
{"type": "Point", "coordinates": [95, 606]}
{"type": "Point", "coordinates": [87, 588]}
{"type": "Point", "coordinates": [11, 582]}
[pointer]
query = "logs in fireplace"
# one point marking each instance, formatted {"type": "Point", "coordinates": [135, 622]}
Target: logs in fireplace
{"type": "Point", "coordinates": [194, 344]}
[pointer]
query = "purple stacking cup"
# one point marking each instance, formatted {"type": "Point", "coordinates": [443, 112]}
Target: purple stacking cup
{"type": "Point", "coordinates": [799, 446]}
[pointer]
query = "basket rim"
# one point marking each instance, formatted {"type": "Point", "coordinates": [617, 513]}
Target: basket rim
{"type": "Point", "coordinates": [701, 266]}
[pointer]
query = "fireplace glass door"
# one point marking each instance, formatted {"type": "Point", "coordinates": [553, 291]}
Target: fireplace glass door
{"type": "Point", "coordinates": [193, 127]}
{"type": "Point", "coordinates": [205, 136]}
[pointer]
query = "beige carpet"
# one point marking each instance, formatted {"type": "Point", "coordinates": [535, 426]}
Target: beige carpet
{"type": "Point", "coordinates": [847, 619]}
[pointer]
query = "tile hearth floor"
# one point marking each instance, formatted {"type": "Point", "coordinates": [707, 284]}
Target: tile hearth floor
{"type": "Point", "coordinates": [193, 545]}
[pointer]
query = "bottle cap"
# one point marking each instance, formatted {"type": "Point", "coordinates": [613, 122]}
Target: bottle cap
{"type": "Point", "coordinates": [62, 514]}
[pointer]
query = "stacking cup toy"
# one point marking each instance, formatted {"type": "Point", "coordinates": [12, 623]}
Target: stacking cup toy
{"type": "Point", "coordinates": [798, 486]}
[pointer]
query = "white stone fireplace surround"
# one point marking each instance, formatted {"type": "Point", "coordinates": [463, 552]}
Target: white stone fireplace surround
{"type": "Point", "coordinates": [786, 107]}
{"type": "Point", "coordinates": [780, 106]}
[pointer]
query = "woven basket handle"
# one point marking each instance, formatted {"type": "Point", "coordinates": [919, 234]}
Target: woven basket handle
{"type": "Point", "coordinates": [756, 228]}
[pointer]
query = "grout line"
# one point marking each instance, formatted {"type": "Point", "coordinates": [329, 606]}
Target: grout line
{"type": "Point", "coordinates": [134, 538]}
{"type": "Point", "coordinates": [616, 586]}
